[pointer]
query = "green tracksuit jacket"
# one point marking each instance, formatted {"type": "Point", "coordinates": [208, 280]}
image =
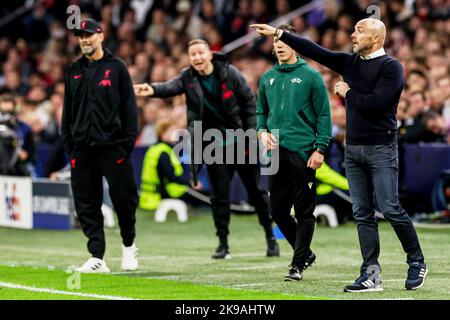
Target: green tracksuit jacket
{"type": "Point", "coordinates": [293, 99]}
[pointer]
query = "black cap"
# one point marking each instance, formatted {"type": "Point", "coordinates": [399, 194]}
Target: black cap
{"type": "Point", "coordinates": [88, 26]}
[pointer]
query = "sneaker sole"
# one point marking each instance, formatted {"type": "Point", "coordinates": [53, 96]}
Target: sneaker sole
{"type": "Point", "coordinates": [379, 289]}
{"type": "Point", "coordinates": [420, 285]}
{"type": "Point", "coordinates": [95, 271]}
{"type": "Point", "coordinates": [228, 256]}
{"type": "Point", "coordinates": [291, 280]}
{"type": "Point", "coordinates": [130, 269]}
{"type": "Point", "coordinates": [272, 255]}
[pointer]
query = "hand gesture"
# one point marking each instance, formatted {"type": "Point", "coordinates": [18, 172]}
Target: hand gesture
{"type": "Point", "coordinates": [341, 88]}
{"type": "Point", "coordinates": [264, 29]}
{"type": "Point", "coordinates": [143, 90]}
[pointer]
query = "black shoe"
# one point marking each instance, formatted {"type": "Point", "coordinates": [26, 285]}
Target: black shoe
{"type": "Point", "coordinates": [222, 252]}
{"type": "Point", "coordinates": [273, 250]}
{"type": "Point", "coordinates": [365, 284]}
{"type": "Point", "coordinates": [293, 274]}
{"type": "Point", "coordinates": [310, 260]}
{"type": "Point", "coordinates": [416, 275]}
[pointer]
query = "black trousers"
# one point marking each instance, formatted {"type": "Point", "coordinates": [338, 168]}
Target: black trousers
{"type": "Point", "coordinates": [294, 185]}
{"type": "Point", "coordinates": [220, 176]}
{"type": "Point", "coordinates": [88, 168]}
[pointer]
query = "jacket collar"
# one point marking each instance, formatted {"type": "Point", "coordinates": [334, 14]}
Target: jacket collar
{"type": "Point", "coordinates": [106, 56]}
{"type": "Point", "coordinates": [380, 52]}
{"type": "Point", "coordinates": [284, 67]}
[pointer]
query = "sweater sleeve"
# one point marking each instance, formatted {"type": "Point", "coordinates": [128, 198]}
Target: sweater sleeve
{"type": "Point", "coordinates": [389, 83]}
{"type": "Point", "coordinates": [262, 110]}
{"type": "Point", "coordinates": [321, 105]}
{"type": "Point", "coordinates": [336, 61]}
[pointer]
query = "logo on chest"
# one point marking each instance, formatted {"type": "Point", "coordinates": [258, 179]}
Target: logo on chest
{"type": "Point", "coordinates": [106, 82]}
{"type": "Point", "coordinates": [296, 80]}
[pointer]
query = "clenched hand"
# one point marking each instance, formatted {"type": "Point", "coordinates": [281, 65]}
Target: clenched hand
{"type": "Point", "coordinates": [143, 90]}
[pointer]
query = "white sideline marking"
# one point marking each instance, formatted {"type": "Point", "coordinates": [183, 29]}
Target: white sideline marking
{"type": "Point", "coordinates": [262, 267]}
{"type": "Point", "coordinates": [59, 252]}
{"type": "Point", "coordinates": [67, 293]}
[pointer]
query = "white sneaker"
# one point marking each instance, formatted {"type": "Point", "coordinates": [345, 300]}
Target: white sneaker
{"type": "Point", "coordinates": [93, 265]}
{"type": "Point", "coordinates": [129, 258]}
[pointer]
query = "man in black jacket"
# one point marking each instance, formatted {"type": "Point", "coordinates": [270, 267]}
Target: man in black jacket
{"type": "Point", "coordinates": [99, 128]}
{"type": "Point", "coordinates": [218, 96]}
{"type": "Point", "coordinates": [373, 82]}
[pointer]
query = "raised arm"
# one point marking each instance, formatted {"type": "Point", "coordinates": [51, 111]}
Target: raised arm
{"type": "Point", "coordinates": [336, 61]}
{"type": "Point", "coordinates": [166, 89]}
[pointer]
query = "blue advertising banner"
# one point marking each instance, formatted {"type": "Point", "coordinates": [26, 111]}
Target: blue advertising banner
{"type": "Point", "coordinates": [52, 205]}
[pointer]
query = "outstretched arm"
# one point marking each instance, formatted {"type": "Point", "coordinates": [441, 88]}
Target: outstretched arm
{"type": "Point", "coordinates": [336, 61]}
{"type": "Point", "coordinates": [166, 89]}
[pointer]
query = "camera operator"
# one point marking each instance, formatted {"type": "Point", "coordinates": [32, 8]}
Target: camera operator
{"type": "Point", "coordinates": [17, 144]}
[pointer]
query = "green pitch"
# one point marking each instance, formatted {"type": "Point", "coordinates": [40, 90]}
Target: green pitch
{"type": "Point", "coordinates": [175, 264]}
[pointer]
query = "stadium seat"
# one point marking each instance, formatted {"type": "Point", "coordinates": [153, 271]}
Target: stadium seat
{"type": "Point", "coordinates": [167, 205]}
{"type": "Point", "coordinates": [108, 216]}
{"type": "Point", "coordinates": [329, 212]}
{"type": "Point", "coordinates": [324, 210]}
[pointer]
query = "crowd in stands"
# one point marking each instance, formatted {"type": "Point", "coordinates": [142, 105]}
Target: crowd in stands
{"type": "Point", "coordinates": [151, 36]}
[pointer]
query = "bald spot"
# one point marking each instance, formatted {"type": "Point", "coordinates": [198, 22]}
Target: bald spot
{"type": "Point", "coordinates": [374, 27]}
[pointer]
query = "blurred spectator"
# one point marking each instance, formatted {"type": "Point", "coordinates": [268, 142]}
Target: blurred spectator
{"type": "Point", "coordinates": [437, 124]}
{"type": "Point", "coordinates": [150, 115]}
{"type": "Point", "coordinates": [187, 22]}
{"type": "Point", "coordinates": [414, 130]}
{"type": "Point", "coordinates": [37, 27]}
{"type": "Point", "coordinates": [26, 150]}
{"type": "Point", "coordinates": [13, 84]}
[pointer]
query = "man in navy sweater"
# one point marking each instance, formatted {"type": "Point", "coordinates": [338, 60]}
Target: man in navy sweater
{"type": "Point", "coordinates": [373, 82]}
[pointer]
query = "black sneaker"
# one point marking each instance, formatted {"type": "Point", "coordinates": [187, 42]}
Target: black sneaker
{"type": "Point", "coordinates": [416, 275]}
{"type": "Point", "coordinates": [273, 250]}
{"type": "Point", "coordinates": [365, 284]}
{"type": "Point", "coordinates": [293, 274]}
{"type": "Point", "coordinates": [222, 252]}
{"type": "Point", "coordinates": [310, 260]}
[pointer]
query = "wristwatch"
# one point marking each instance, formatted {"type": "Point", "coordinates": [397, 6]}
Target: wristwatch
{"type": "Point", "coordinates": [320, 150]}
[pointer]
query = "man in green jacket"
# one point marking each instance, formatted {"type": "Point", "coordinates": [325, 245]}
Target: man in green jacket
{"type": "Point", "coordinates": [293, 99]}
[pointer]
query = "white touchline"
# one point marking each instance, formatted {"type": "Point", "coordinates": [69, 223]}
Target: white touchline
{"type": "Point", "coordinates": [68, 293]}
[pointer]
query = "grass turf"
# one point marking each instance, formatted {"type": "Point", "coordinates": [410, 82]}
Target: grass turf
{"type": "Point", "coordinates": [175, 263]}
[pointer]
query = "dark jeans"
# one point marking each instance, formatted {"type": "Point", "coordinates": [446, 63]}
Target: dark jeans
{"type": "Point", "coordinates": [294, 185]}
{"type": "Point", "coordinates": [372, 173]}
{"type": "Point", "coordinates": [88, 168]}
{"type": "Point", "coordinates": [220, 176]}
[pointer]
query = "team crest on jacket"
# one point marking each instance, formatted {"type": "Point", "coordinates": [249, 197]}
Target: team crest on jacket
{"type": "Point", "coordinates": [296, 80]}
{"type": "Point", "coordinates": [106, 82]}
